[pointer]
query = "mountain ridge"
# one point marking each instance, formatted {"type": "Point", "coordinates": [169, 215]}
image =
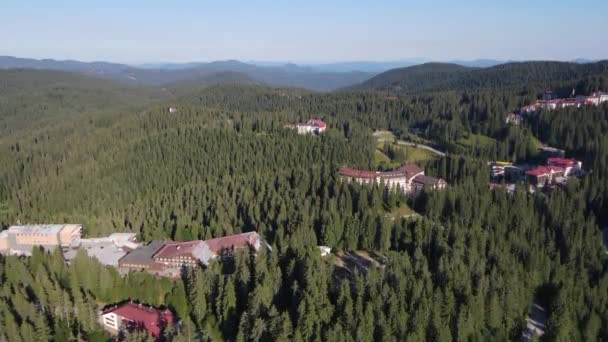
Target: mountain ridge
{"type": "Point", "coordinates": [288, 75]}
{"type": "Point", "coordinates": [431, 77]}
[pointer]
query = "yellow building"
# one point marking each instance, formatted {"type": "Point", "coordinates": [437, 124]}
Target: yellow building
{"type": "Point", "coordinates": [21, 239]}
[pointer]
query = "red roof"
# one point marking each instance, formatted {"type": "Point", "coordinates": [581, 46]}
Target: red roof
{"type": "Point", "coordinates": [317, 122]}
{"type": "Point", "coordinates": [549, 101]}
{"type": "Point", "coordinates": [531, 106]}
{"type": "Point", "coordinates": [561, 162]}
{"type": "Point", "coordinates": [347, 171]}
{"type": "Point", "coordinates": [426, 180]}
{"type": "Point", "coordinates": [544, 170]}
{"type": "Point", "coordinates": [233, 241]}
{"type": "Point", "coordinates": [410, 169]}
{"type": "Point", "coordinates": [148, 318]}
{"type": "Point", "coordinates": [171, 250]}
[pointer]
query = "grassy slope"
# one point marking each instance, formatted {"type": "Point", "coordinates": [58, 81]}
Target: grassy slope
{"type": "Point", "coordinates": [474, 140]}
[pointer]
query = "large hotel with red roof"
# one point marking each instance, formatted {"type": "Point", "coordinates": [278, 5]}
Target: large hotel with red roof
{"type": "Point", "coordinates": [409, 178]}
{"type": "Point", "coordinates": [551, 101]}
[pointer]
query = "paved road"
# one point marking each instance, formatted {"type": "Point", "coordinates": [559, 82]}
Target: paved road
{"type": "Point", "coordinates": [421, 146]}
{"type": "Point", "coordinates": [424, 147]}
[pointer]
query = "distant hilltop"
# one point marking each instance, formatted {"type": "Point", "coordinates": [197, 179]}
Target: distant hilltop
{"type": "Point", "coordinates": [430, 77]}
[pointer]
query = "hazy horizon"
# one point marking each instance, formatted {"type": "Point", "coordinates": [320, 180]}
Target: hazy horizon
{"type": "Point", "coordinates": [303, 32]}
{"type": "Point", "coordinates": [278, 62]}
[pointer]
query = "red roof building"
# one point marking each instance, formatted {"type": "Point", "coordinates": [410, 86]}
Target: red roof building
{"type": "Point", "coordinates": [355, 173]}
{"type": "Point", "coordinates": [561, 162]}
{"type": "Point", "coordinates": [422, 183]}
{"type": "Point", "coordinates": [542, 175]}
{"type": "Point", "coordinates": [131, 316]}
{"type": "Point", "coordinates": [179, 254]}
{"type": "Point", "coordinates": [550, 102]}
{"type": "Point", "coordinates": [317, 123]}
{"type": "Point", "coordinates": [569, 165]}
{"type": "Point", "coordinates": [411, 170]}
{"type": "Point", "coordinates": [235, 241]}
{"type": "Point", "coordinates": [400, 179]}
{"type": "Point", "coordinates": [313, 125]}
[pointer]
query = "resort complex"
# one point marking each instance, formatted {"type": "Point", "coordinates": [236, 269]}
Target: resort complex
{"type": "Point", "coordinates": [409, 178]}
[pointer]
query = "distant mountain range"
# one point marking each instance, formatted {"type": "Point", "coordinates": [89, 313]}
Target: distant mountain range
{"type": "Point", "coordinates": [356, 66]}
{"type": "Point", "coordinates": [320, 77]}
{"type": "Point", "coordinates": [289, 75]}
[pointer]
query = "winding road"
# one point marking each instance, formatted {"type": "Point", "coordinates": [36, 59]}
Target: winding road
{"type": "Point", "coordinates": [405, 143]}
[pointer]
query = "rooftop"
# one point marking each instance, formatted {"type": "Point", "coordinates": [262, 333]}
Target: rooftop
{"type": "Point", "coordinates": [350, 172]}
{"type": "Point", "coordinates": [410, 169]}
{"type": "Point", "coordinates": [317, 123]}
{"type": "Point", "coordinates": [153, 320]}
{"type": "Point", "coordinates": [550, 149]}
{"type": "Point", "coordinates": [142, 255]}
{"type": "Point", "coordinates": [544, 170]}
{"type": "Point", "coordinates": [106, 252]}
{"type": "Point", "coordinates": [37, 229]}
{"type": "Point", "coordinates": [426, 180]}
{"type": "Point", "coordinates": [406, 170]}
{"type": "Point", "coordinates": [563, 162]}
{"type": "Point", "coordinates": [234, 241]}
{"type": "Point", "coordinates": [197, 249]}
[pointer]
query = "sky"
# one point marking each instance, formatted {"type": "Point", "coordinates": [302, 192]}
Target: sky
{"type": "Point", "coordinates": [312, 31]}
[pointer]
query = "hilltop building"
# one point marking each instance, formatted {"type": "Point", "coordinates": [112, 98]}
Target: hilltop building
{"type": "Point", "coordinates": [20, 240]}
{"type": "Point", "coordinates": [551, 101]}
{"type": "Point", "coordinates": [409, 178]}
{"type": "Point", "coordinates": [130, 316]}
{"type": "Point", "coordinates": [312, 126]}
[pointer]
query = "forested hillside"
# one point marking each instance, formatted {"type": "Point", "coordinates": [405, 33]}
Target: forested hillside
{"type": "Point", "coordinates": [46, 98]}
{"type": "Point", "coordinates": [468, 268]}
{"type": "Point", "coordinates": [432, 77]}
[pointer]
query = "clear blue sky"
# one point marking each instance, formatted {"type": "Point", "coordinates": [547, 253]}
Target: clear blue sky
{"type": "Point", "coordinates": [137, 31]}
